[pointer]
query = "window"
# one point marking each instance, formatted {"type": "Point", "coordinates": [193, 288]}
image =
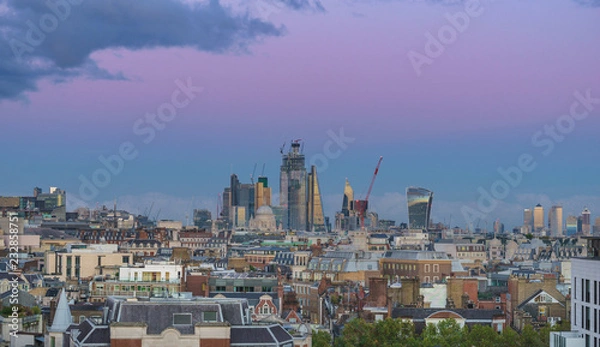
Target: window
{"type": "Point", "coordinates": [209, 316]}
{"type": "Point", "coordinates": [426, 267]}
{"type": "Point", "coordinates": [498, 299]}
{"type": "Point", "coordinates": [436, 279]}
{"type": "Point", "coordinates": [265, 309]}
{"type": "Point", "coordinates": [220, 289]}
{"type": "Point", "coordinates": [542, 311]}
{"type": "Point", "coordinates": [587, 318]}
{"type": "Point", "coordinates": [427, 279]}
{"type": "Point", "coordinates": [182, 319]}
{"type": "Point", "coordinates": [436, 268]}
{"type": "Point", "coordinates": [125, 259]}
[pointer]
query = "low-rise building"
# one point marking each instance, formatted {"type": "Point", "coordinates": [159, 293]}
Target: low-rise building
{"type": "Point", "coordinates": [428, 266]}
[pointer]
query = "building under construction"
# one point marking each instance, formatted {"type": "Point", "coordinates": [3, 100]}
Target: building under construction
{"type": "Point", "coordinates": [299, 192]}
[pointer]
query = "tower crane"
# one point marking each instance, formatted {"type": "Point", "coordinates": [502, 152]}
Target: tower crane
{"type": "Point", "coordinates": [364, 205]}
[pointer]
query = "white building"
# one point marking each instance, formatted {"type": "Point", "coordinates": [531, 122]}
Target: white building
{"type": "Point", "coordinates": [585, 294]}
{"type": "Point", "coordinates": [152, 272]}
{"type": "Point", "coordinates": [567, 339]}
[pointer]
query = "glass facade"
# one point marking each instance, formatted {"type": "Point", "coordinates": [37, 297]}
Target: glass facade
{"type": "Point", "coordinates": [419, 207]}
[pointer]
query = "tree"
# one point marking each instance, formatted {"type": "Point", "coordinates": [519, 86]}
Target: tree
{"type": "Point", "coordinates": [531, 338]}
{"type": "Point", "coordinates": [446, 333]}
{"type": "Point", "coordinates": [509, 338]}
{"type": "Point", "coordinates": [321, 339]}
{"type": "Point", "coordinates": [356, 333]}
{"type": "Point", "coordinates": [483, 336]}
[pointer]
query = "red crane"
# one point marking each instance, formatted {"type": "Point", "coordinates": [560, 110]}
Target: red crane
{"type": "Point", "coordinates": [364, 205]}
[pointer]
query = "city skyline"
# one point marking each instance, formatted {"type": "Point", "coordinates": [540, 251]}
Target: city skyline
{"type": "Point", "coordinates": [336, 75]}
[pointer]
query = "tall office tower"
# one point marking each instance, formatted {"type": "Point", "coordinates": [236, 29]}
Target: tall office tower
{"type": "Point", "coordinates": [226, 204]}
{"type": "Point", "coordinates": [555, 221]}
{"type": "Point", "coordinates": [245, 196]}
{"type": "Point", "coordinates": [238, 216]}
{"type": "Point", "coordinates": [315, 217]}
{"type": "Point", "coordinates": [498, 227]}
{"type": "Point", "coordinates": [572, 225]}
{"type": "Point", "coordinates": [348, 202]}
{"type": "Point", "coordinates": [586, 227]}
{"type": "Point", "coordinates": [538, 218]}
{"type": "Point", "coordinates": [419, 207]}
{"type": "Point", "coordinates": [202, 219]}
{"type": "Point", "coordinates": [292, 188]}
{"type": "Point", "coordinates": [527, 220]}
{"type": "Point", "coordinates": [240, 195]}
{"type": "Point", "coordinates": [262, 193]}
{"type": "Point", "coordinates": [347, 219]}
{"type": "Point", "coordinates": [596, 228]}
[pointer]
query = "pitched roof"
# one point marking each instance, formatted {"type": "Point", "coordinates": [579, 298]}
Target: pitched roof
{"type": "Point", "coordinates": [62, 318]}
{"type": "Point", "coordinates": [257, 334]}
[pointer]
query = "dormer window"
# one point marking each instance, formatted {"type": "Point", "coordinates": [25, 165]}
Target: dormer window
{"type": "Point", "coordinates": [182, 319]}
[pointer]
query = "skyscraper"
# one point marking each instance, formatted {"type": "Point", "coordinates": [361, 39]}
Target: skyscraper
{"type": "Point", "coordinates": [348, 202]}
{"type": "Point", "coordinates": [572, 225]}
{"type": "Point", "coordinates": [262, 193]}
{"type": "Point", "coordinates": [596, 228]}
{"type": "Point", "coordinates": [315, 217]}
{"type": "Point", "coordinates": [202, 218]}
{"type": "Point", "coordinates": [586, 227]}
{"type": "Point", "coordinates": [555, 221]}
{"type": "Point", "coordinates": [239, 195]}
{"type": "Point", "coordinates": [347, 219]}
{"type": "Point", "coordinates": [419, 207]}
{"type": "Point", "coordinates": [538, 218]}
{"type": "Point", "coordinates": [527, 219]}
{"type": "Point", "coordinates": [292, 188]}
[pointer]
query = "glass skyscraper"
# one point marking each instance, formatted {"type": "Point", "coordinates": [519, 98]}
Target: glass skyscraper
{"type": "Point", "coordinates": [292, 189]}
{"type": "Point", "coordinates": [419, 207]}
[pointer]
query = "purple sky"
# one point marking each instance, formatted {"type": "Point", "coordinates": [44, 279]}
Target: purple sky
{"type": "Point", "coordinates": [272, 73]}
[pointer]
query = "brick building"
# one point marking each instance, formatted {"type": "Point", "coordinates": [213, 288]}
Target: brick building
{"type": "Point", "coordinates": [428, 266]}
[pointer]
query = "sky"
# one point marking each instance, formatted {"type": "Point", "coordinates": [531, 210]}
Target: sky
{"type": "Point", "coordinates": [493, 105]}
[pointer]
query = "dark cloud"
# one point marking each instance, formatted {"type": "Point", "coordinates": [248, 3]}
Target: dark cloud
{"type": "Point", "coordinates": [74, 31]}
{"type": "Point", "coordinates": [313, 5]}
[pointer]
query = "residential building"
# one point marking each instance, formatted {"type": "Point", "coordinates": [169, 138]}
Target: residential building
{"type": "Point", "coordinates": [428, 266]}
{"type": "Point", "coordinates": [585, 293]}
{"type": "Point", "coordinates": [85, 261]}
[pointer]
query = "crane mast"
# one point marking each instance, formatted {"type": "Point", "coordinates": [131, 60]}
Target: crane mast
{"type": "Point", "coordinates": [364, 207]}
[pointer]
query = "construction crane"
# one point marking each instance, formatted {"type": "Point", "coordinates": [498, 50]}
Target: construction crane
{"type": "Point", "coordinates": [363, 205]}
{"type": "Point", "coordinates": [253, 172]}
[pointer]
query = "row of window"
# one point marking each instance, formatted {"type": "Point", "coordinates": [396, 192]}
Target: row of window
{"type": "Point", "coordinates": [435, 279]}
{"type": "Point", "coordinates": [585, 291]}
{"type": "Point", "coordinates": [412, 267]}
